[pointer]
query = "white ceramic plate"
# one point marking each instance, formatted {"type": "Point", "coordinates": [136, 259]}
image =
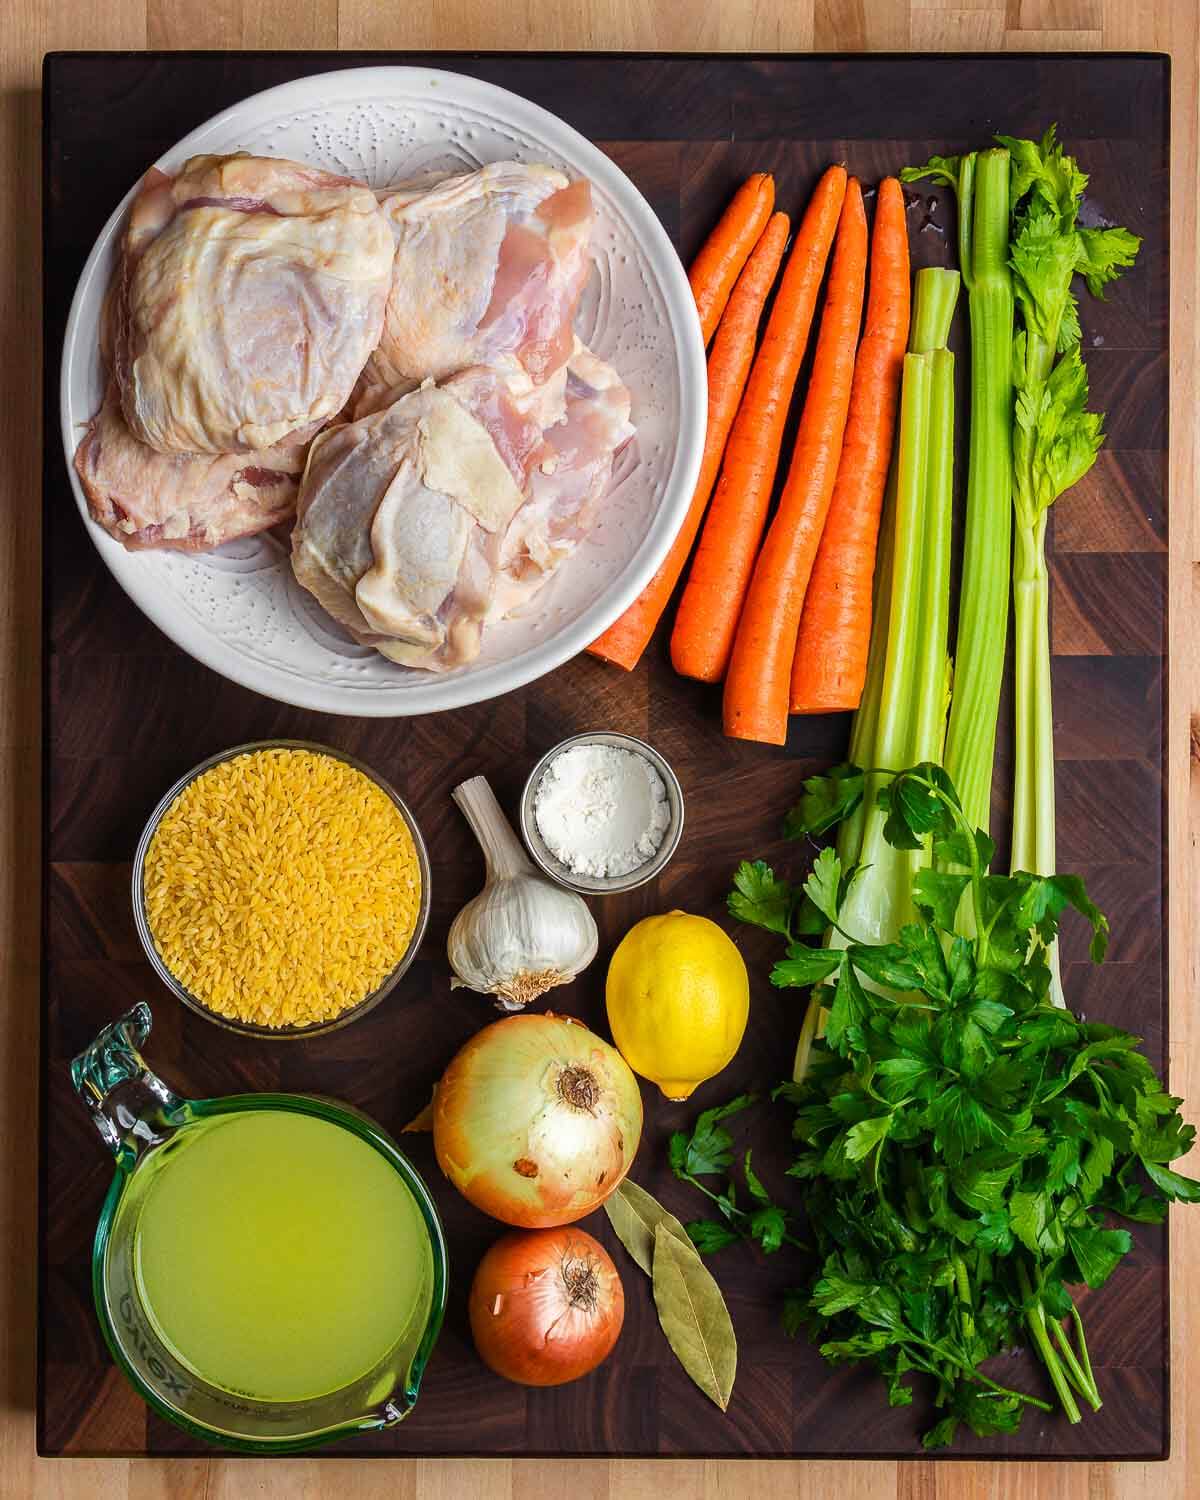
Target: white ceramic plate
{"type": "Point", "coordinates": [239, 610]}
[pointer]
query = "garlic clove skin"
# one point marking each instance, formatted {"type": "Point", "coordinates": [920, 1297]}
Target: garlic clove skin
{"type": "Point", "coordinates": [522, 935]}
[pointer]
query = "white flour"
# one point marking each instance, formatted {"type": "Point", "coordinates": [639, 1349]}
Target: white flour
{"type": "Point", "coordinates": [602, 811]}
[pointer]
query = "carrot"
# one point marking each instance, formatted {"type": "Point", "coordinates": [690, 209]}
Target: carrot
{"type": "Point", "coordinates": [830, 665]}
{"type": "Point", "coordinates": [720, 575]}
{"type": "Point", "coordinates": [728, 366]}
{"type": "Point", "coordinates": [724, 252]}
{"type": "Point", "coordinates": [760, 669]}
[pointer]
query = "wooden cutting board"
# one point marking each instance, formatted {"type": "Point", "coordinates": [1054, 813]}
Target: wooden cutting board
{"type": "Point", "coordinates": [127, 713]}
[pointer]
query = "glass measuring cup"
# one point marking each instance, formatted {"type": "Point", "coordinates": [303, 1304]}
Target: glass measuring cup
{"type": "Point", "coordinates": [145, 1125]}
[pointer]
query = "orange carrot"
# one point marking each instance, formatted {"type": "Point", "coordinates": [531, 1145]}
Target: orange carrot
{"type": "Point", "coordinates": [760, 669]}
{"type": "Point", "coordinates": [728, 366]}
{"type": "Point", "coordinates": [720, 575]}
{"type": "Point", "coordinates": [725, 251]}
{"type": "Point", "coordinates": [830, 664]}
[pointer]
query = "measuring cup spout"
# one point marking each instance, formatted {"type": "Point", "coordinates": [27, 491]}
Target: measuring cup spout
{"type": "Point", "coordinates": [130, 1106]}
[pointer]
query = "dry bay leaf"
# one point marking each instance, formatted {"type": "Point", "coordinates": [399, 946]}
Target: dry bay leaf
{"type": "Point", "coordinates": [694, 1316]}
{"type": "Point", "coordinates": [635, 1214]}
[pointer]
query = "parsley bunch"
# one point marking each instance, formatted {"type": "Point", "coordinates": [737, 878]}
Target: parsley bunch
{"type": "Point", "coordinates": [964, 1142]}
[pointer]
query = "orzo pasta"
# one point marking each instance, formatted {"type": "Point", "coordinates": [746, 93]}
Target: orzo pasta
{"type": "Point", "coordinates": [282, 887]}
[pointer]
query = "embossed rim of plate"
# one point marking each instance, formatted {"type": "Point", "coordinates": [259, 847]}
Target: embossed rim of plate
{"type": "Point", "coordinates": [461, 690]}
{"type": "Point", "coordinates": [369, 1001]}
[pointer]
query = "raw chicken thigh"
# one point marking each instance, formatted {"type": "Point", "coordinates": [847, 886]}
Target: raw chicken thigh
{"type": "Point", "coordinates": [568, 482]}
{"type": "Point", "coordinates": [253, 292]}
{"type": "Point", "coordinates": [487, 264]}
{"type": "Point", "coordinates": [452, 505]}
{"type": "Point", "coordinates": [192, 501]}
{"type": "Point", "coordinates": [401, 516]}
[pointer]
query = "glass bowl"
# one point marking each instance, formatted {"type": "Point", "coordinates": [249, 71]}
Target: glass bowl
{"type": "Point", "coordinates": [248, 1028]}
{"type": "Point", "coordinates": [595, 885]}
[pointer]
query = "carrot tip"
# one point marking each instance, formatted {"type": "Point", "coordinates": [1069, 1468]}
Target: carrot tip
{"type": "Point", "coordinates": [757, 737]}
{"type": "Point", "coordinates": [840, 706]}
{"type": "Point", "coordinates": [614, 661]}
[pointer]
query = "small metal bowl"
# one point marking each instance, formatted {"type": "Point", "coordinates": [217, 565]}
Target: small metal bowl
{"type": "Point", "coordinates": [246, 1028]}
{"type": "Point", "coordinates": [591, 885]}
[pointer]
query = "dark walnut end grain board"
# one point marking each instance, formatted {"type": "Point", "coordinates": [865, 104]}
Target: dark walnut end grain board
{"type": "Point", "coordinates": [128, 713]}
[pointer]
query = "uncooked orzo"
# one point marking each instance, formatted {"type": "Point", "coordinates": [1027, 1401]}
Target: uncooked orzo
{"type": "Point", "coordinates": [282, 887]}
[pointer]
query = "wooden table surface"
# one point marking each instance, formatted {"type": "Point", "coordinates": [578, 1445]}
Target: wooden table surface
{"type": "Point", "coordinates": [1168, 25]}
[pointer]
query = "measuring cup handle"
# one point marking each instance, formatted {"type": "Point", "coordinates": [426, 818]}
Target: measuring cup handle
{"type": "Point", "coordinates": [131, 1107]}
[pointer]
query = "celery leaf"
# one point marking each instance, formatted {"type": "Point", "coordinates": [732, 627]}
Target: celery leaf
{"type": "Point", "coordinates": [942, 169]}
{"type": "Point", "coordinates": [1102, 254]}
{"type": "Point", "coordinates": [1044, 170]}
{"type": "Point", "coordinates": [1055, 439]}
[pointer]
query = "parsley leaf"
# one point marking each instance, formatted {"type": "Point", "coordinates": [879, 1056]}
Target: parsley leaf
{"type": "Point", "coordinates": [849, 1010]}
{"type": "Point", "coordinates": [805, 966]}
{"type": "Point", "coordinates": [826, 800]}
{"type": "Point", "coordinates": [708, 1235]}
{"type": "Point", "coordinates": [753, 1185]}
{"type": "Point", "coordinates": [888, 964]}
{"type": "Point", "coordinates": [862, 1139]}
{"type": "Point", "coordinates": [1074, 891]}
{"type": "Point", "coordinates": [761, 900]}
{"type": "Point", "coordinates": [1098, 1252]}
{"type": "Point", "coordinates": [938, 894]}
{"type": "Point", "coordinates": [823, 886]}
{"type": "Point", "coordinates": [1171, 1184]}
{"type": "Point", "coordinates": [708, 1148]}
{"type": "Point", "coordinates": [768, 1225]}
{"type": "Point", "coordinates": [708, 1151]}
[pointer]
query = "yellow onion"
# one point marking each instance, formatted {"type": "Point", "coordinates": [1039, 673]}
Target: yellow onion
{"type": "Point", "coordinates": [537, 1120]}
{"type": "Point", "coordinates": [546, 1306]}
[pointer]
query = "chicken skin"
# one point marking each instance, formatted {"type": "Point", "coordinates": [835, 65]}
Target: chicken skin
{"type": "Point", "coordinates": [189, 501]}
{"type": "Point", "coordinates": [487, 265]}
{"type": "Point", "coordinates": [451, 506]}
{"type": "Point", "coordinates": [253, 291]}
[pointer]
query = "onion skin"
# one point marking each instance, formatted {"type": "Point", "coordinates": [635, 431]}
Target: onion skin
{"type": "Point", "coordinates": [537, 1120]}
{"type": "Point", "coordinates": [546, 1306]}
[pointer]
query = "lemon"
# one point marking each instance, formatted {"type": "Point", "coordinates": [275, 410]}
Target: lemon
{"type": "Point", "coordinates": [678, 1000]}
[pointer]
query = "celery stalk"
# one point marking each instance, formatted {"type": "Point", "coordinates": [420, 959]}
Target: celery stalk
{"type": "Point", "coordinates": [879, 901]}
{"type": "Point", "coordinates": [935, 296]}
{"type": "Point", "coordinates": [928, 729]}
{"type": "Point", "coordinates": [929, 724]}
{"type": "Point", "coordinates": [1055, 440]}
{"type": "Point", "coordinates": [904, 694]}
{"type": "Point", "coordinates": [933, 312]}
{"type": "Point", "coordinates": [911, 693]}
{"type": "Point", "coordinates": [1033, 838]}
{"type": "Point", "coordinates": [1033, 843]}
{"type": "Point", "coordinates": [865, 726]}
{"type": "Point", "coordinates": [1044, 301]}
{"type": "Point", "coordinates": [983, 607]}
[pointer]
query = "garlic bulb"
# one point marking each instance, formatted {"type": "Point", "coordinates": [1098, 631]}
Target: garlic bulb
{"type": "Point", "coordinates": [522, 934]}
